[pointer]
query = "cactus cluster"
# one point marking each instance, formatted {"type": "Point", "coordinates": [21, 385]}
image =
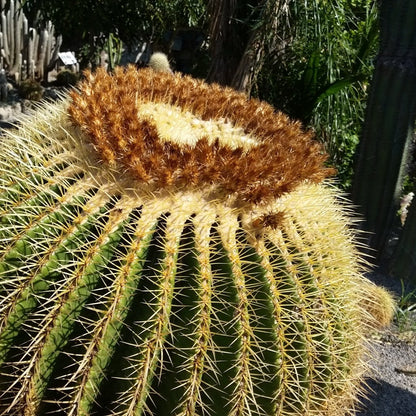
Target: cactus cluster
{"type": "Point", "coordinates": [170, 247]}
{"type": "Point", "coordinates": [25, 52]}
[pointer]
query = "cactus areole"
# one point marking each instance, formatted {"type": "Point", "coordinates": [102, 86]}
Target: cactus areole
{"type": "Point", "coordinates": [170, 247]}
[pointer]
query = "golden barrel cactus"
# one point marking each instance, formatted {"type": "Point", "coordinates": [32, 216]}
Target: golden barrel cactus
{"type": "Point", "coordinates": [170, 247]}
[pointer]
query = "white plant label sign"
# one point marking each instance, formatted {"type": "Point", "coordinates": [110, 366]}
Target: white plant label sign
{"type": "Point", "coordinates": [68, 58]}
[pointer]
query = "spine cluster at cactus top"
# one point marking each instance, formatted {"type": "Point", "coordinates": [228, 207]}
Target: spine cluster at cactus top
{"type": "Point", "coordinates": [169, 247]}
{"type": "Point", "coordinates": [173, 130]}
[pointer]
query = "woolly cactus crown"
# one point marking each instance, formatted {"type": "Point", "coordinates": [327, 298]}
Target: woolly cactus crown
{"type": "Point", "coordinates": [170, 247]}
{"type": "Point", "coordinates": [177, 131]}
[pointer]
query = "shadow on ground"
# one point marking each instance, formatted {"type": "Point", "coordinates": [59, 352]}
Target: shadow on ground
{"type": "Point", "coordinates": [384, 399]}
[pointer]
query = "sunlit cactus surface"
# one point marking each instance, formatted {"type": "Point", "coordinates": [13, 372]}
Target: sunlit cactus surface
{"type": "Point", "coordinates": [170, 247]}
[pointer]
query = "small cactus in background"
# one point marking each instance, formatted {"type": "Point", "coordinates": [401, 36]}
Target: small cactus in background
{"type": "Point", "coordinates": [67, 78]}
{"type": "Point", "coordinates": [159, 62]}
{"type": "Point", "coordinates": [30, 89]}
{"type": "Point", "coordinates": [170, 247]}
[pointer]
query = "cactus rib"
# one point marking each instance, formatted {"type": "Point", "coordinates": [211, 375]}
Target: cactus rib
{"type": "Point", "coordinates": [102, 345]}
{"type": "Point", "coordinates": [57, 325]}
{"type": "Point", "coordinates": [148, 269]}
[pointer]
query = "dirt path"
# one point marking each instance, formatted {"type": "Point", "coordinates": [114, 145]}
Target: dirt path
{"type": "Point", "coordinates": [392, 381]}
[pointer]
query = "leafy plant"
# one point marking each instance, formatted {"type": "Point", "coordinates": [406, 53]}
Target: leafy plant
{"type": "Point", "coordinates": [171, 247]}
{"type": "Point", "coordinates": [322, 73]}
{"type": "Point", "coordinates": [89, 24]}
{"type": "Point", "coordinates": [406, 309]}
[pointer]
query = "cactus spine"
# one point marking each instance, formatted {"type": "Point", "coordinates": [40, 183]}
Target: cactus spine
{"type": "Point", "coordinates": [173, 248]}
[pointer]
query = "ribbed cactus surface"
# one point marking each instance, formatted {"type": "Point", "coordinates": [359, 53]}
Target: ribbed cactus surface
{"type": "Point", "coordinates": [172, 248]}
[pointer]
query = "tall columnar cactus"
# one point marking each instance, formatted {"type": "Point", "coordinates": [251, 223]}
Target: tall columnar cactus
{"type": "Point", "coordinates": [24, 51]}
{"type": "Point", "coordinates": [170, 247]}
{"type": "Point", "coordinates": [403, 262]}
{"type": "Point", "coordinates": [388, 130]}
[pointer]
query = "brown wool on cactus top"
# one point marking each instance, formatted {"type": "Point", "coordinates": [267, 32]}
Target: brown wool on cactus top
{"type": "Point", "coordinates": [172, 130]}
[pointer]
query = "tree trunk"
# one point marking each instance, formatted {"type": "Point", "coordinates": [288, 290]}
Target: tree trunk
{"type": "Point", "coordinates": [223, 40]}
{"type": "Point", "coordinates": [389, 123]}
{"type": "Point", "coordinates": [238, 50]}
{"type": "Point", "coordinates": [265, 38]}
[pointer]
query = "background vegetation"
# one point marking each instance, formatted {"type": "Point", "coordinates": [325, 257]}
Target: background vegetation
{"type": "Point", "coordinates": [312, 58]}
{"type": "Point", "coordinates": [322, 75]}
{"type": "Point", "coordinates": [86, 25]}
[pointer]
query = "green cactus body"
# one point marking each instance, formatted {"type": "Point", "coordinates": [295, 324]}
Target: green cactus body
{"type": "Point", "coordinates": [140, 279]}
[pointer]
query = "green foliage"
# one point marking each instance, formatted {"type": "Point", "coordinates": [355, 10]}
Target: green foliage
{"type": "Point", "coordinates": [114, 48]}
{"type": "Point", "coordinates": [407, 300]}
{"type": "Point", "coordinates": [90, 22]}
{"type": "Point", "coordinates": [322, 74]}
{"type": "Point", "coordinates": [406, 309]}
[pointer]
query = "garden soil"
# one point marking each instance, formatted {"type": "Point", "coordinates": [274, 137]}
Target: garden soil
{"type": "Point", "coordinates": [391, 383]}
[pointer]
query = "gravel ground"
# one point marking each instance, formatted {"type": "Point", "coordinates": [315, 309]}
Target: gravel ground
{"type": "Point", "coordinates": [14, 106]}
{"type": "Point", "coordinates": [391, 387]}
{"type": "Point", "coordinates": [391, 384]}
